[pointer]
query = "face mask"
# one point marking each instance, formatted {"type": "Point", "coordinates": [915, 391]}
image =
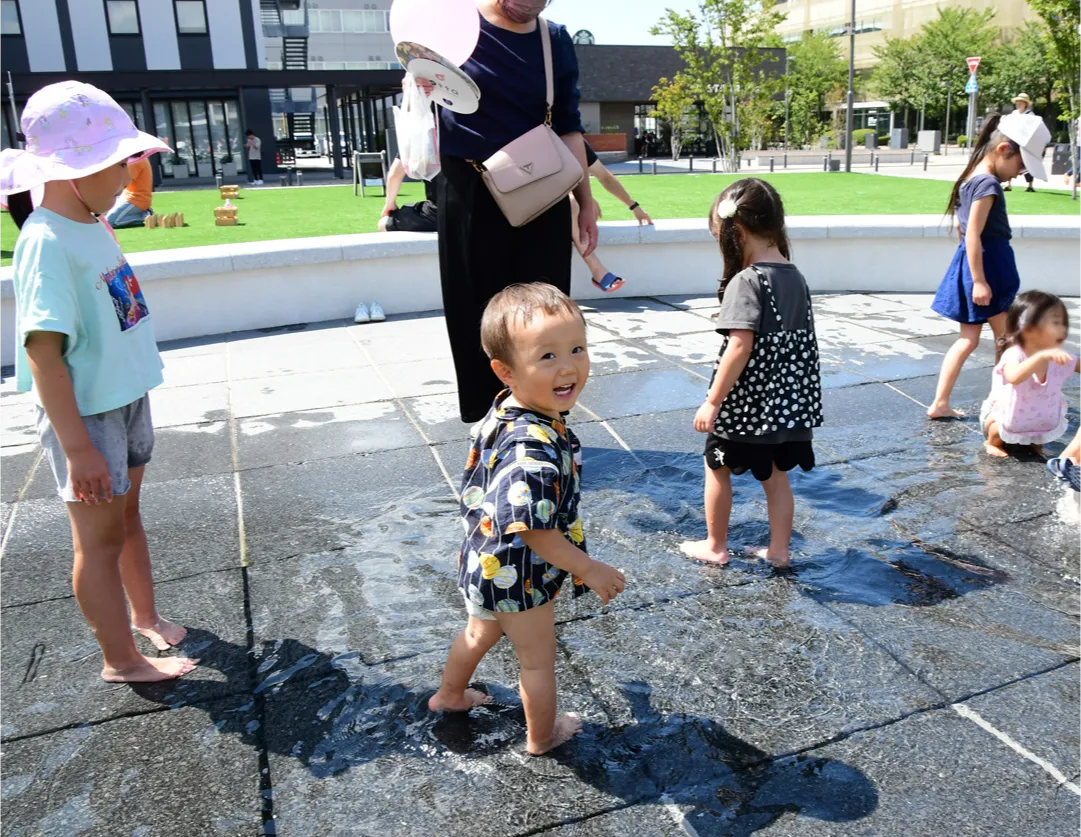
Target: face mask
{"type": "Point", "coordinates": [522, 11]}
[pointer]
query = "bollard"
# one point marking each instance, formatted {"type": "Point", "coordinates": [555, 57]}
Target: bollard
{"type": "Point", "coordinates": [654, 166]}
{"type": "Point", "coordinates": [217, 181]}
{"type": "Point", "coordinates": [912, 157]}
{"type": "Point", "coordinates": [640, 165]}
{"type": "Point", "coordinates": [714, 165]}
{"type": "Point", "coordinates": [300, 178]}
{"type": "Point", "coordinates": [925, 158]}
{"type": "Point", "coordinates": [771, 165]}
{"type": "Point", "coordinates": [786, 160]}
{"type": "Point", "coordinates": [283, 180]}
{"type": "Point", "coordinates": [692, 163]}
{"type": "Point", "coordinates": [878, 158]}
{"type": "Point", "coordinates": [825, 162]}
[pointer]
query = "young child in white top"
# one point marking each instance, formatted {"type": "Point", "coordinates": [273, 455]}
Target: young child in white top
{"type": "Point", "coordinates": [1026, 405]}
{"type": "Point", "coordinates": [86, 347]}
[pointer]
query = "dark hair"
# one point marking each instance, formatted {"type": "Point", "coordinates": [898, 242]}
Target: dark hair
{"type": "Point", "coordinates": [759, 211]}
{"type": "Point", "coordinates": [989, 138]}
{"type": "Point", "coordinates": [1028, 309]}
{"type": "Point", "coordinates": [249, 133]}
{"type": "Point", "coordinates": [516, 304]}
{"type": "Point", "coordinates": [19, 207]}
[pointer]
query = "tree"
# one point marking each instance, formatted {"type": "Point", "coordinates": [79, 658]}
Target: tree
{"type": "Point", "coordinates": [1022, 65]}
{"type": "Point", "coordinates": [721, 46]}
{"type": "Point", "coordinates": [815, 71]}
{"type": "Point", "coordinates": [1063, 19]}
{"type": "Point", "coordinates": [675, 106]}
{"type": "Point", "coordinates": [896, 76]}
{"type": "Point", "coordinates": [942, 46]}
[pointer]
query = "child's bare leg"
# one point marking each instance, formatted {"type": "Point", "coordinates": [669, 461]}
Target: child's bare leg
{"type": "Point", "coordinates": [476, 639]}
{"type": "Point", "coordinates": [781, 507]}
{"type": "Point", "coordinates": [994, 444]}
{"type": "Point", "coordinates": [98, 535]}
{"type": "Point", "coordinates": [955, 358]}
{"type": "Point", "coordinates": [596, 268]}
{"type": "Point", "coordinates": [137, 576]}
{"type": "Point", "coordinates": [533, 634]}
{"type": "Point", "coordinates": [714, 549]}
{"type": "Point", "coordinates": [1073, 450]}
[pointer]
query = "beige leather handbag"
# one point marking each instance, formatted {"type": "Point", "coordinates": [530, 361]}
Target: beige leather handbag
{"type": "Point", "coordinates": [530, 175]}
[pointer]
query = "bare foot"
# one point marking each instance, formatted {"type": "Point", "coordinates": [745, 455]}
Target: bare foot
{"type": "Point", "coordinates": [778, 560]}
{"type": "Point", "coordinates": [163, 633]}
{"type": "Point", "coordinates": [995, 450]}
{"type": "Point", "coordinates": [564, 730]}
{"type": "Point", "coordinates": [702, 551]}
{"type": "Point", "coordinates": [943, 411]}
{"type": "Point", "coordinates": [469, 699]}
{"type": "Point", "coordinates": [150, 670]}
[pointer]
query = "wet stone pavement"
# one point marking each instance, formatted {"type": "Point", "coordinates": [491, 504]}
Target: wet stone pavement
{"type": "Point", "coordinates": [915, 674]}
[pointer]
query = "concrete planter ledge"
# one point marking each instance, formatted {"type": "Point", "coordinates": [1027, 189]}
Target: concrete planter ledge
{"type": "Point", "coordinates": [211, 290]}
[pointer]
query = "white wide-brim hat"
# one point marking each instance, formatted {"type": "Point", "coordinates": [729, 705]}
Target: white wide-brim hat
{"type": "Point", "coordinates": [1031, 135]}
{"type": "Point", "coordinates": [72, 130]}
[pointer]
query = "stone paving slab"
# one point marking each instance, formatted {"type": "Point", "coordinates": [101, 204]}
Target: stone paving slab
{"type": "Point", "coordinates": [166, 774]}
{"type": "Point", "coordinates": [50, 677]}
{"type": "Point", "coordinates": [730, 701]}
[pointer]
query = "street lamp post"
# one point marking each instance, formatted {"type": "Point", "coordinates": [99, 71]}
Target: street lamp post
{"type": "Point", "coordinates": [850, 116]}
{"type": "Point", "coordinates": [787, 68]}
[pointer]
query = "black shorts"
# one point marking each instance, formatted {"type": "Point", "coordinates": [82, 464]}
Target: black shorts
{"type": "Point", "coordinates": [413, 217]}
{"type": "Point", "coordinates": [740, 457]}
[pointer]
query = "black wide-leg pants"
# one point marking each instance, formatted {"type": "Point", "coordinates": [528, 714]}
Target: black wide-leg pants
{"type": "Point", "coordinates": [480, 254]}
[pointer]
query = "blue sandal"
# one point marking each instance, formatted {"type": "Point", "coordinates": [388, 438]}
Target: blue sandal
{"type": "Point", "coordinates": [1066, 470]}
{"type": "Point", "coordinates": [609, 283]}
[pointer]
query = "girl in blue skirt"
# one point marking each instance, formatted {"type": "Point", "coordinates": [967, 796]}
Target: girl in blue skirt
{"type": "Point", "coordinates": [982, 279]}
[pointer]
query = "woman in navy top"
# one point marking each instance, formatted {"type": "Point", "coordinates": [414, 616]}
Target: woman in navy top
{"type": "Point", "coordinates": [480, 253]}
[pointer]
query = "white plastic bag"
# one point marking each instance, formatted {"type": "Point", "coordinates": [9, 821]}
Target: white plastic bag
{"type": "Point", "coordinates": [417, 130]}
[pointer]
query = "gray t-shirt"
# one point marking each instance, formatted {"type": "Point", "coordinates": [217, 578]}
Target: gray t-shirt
{"type": "Point", "coordinates": [744, 306]}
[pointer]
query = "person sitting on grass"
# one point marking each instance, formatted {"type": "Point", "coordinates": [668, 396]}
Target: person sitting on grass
{"type": "Point", "coordinates": [414, 217]}
{"type": "Point", "coordinates": [133, 205]}
{"type": "Point", "coordinates": [602, 277]}
{"type": "Point", "coordinates": [519, 506]}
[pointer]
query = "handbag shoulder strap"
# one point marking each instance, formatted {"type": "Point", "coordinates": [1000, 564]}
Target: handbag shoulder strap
{"type": "Point", "coordinates": [546, 47]}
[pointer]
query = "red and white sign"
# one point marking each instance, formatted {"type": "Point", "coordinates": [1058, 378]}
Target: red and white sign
{"type": "Point", "coordinates": [973, 63]}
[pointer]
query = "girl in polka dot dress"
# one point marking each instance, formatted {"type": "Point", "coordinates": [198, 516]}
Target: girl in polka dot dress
{"type": "Point", "coordinates": [1026, 405]}
{"type": "Point", "coordinates": [766, 392]}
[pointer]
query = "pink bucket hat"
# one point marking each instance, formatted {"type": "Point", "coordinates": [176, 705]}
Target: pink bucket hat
{"type": "Point", "coordinates": [72, 130]}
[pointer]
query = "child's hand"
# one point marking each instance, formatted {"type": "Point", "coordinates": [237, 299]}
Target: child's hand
{"type": "Point", "coordinates": [706, 416]}
{"type": "Point", "coordinates": [607, 582]}
{"type": "Point", "coordinates": [89, 475]}
{"type": "Point", "coordinates": [1057, 356]}
{"type": "Point", "coordinates": [981, 293]}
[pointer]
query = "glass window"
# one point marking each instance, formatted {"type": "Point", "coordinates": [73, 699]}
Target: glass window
{"type": "Point", "coordinates": [293, 17]}
{"type": "Point", "coordinates": [218, 141]}
{"type": "Point", "coordinates": [190, 17]}
{"type": "Point", "coordinates": [123, 17]}
{"type": "Point", "coordinates": [232, 127]}
{"type": "Point", "coordinates": [183, 144]}
{"type": "Point", "coordinates": [201, 131]}
{"type": "Point", "coordinates": [9, 18]}
{"type": "Point", "coordinates": [164, 126]}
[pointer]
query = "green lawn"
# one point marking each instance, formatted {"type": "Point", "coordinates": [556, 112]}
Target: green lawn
{"type": "Point", "coordinates": [273, 213]}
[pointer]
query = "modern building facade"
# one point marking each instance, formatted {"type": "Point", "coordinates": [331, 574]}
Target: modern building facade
{"type": "Point", "coordinates": [878, 19]}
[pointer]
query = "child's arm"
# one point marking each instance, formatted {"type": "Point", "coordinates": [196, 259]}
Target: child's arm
{"type": "Point", "coordinates": [733, 362]}
{"type": "Point", "coordinates": [551, 545]}
{"type": "Point", "coordinates": [1015, 373]}
{"type": "Point", "coordinates": [87, 469]}
{"type": "Point", "coordinates": [977, 219]}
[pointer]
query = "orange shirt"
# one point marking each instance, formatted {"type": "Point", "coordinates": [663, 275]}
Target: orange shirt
{"type": "Point", "coordinates": [142, 184]}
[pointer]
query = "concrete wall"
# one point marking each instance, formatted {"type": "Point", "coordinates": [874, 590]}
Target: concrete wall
{"type": "Point", "coordinates": [274, 283]}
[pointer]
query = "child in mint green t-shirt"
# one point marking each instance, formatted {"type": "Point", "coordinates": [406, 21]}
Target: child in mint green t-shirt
{"type": "Point", "coordinates": [86, 347]}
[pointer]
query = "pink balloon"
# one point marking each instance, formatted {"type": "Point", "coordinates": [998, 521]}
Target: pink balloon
{"type": "Point", "coordinates": [449, 27]}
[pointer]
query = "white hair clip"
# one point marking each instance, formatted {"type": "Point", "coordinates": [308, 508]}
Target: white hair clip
{"type": "Point", "coordinates": [727, 209]}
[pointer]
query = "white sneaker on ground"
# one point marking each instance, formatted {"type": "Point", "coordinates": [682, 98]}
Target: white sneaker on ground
{"type": "Point", "coordinates": [377, 313]}
{"type": "Point", "coordinates": [362, 315]}
{"type": "Point", "coordinates": [258, 182]}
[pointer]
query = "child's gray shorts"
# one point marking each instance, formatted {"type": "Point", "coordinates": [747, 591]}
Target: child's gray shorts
{"type": "Point", "coordinates": [124, 436]}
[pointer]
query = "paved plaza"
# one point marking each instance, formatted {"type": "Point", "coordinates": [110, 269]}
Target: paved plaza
{"type": "Point", "coordinates": [916, 673]}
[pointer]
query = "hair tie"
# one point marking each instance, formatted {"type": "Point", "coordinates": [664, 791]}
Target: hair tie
{"type": "Point", "coordinates": [727, 209]}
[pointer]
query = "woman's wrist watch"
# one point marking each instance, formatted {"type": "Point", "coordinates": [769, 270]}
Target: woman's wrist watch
{"type": "Point", "coordinates": [633, 206]}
